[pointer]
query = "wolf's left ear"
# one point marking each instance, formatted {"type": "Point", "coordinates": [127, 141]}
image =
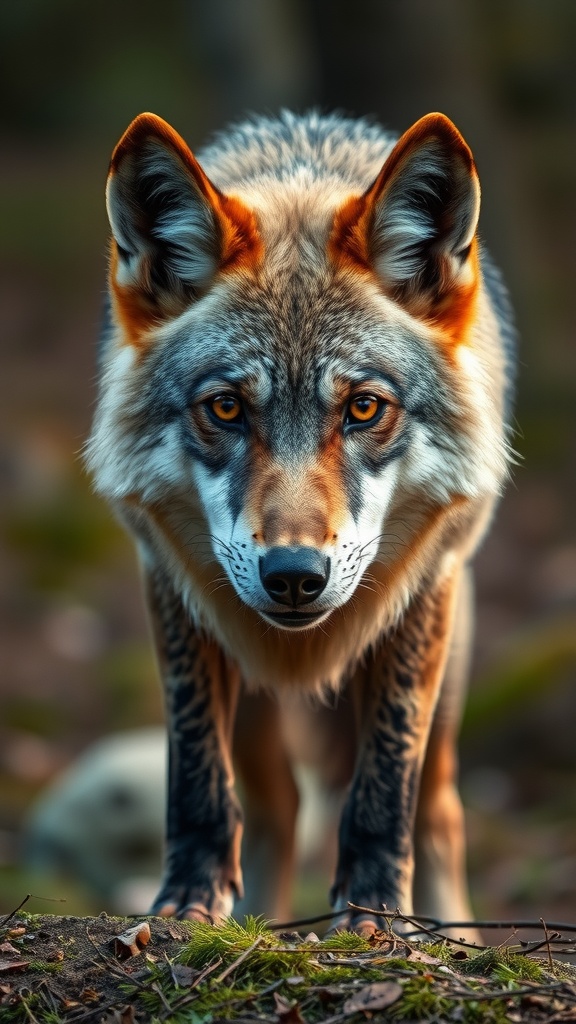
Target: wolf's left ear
{"type": "Point", "coordinates": [415, 226]}
{"type": "Point", "coordinates": [173, 230]}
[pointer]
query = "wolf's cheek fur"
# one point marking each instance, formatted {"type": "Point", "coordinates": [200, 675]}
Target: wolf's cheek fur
{"type": "Point", "coordinates": [128, 454]}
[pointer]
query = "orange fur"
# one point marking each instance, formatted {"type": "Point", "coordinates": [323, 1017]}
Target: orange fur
{"type": "Point", "coordinates": [241, 246]}
{"type": "Point", "coordinates": [274, 658]}
{"type": "Point", "coordinates": [455, 313]}
{"type": "Point", "coordinates": [349, 243]}
{"type": "Point", "coordinates": [312, 517]}
{"type": "Point", "coordinates": [136, 312]}
{"type": "Point", "coordinates": [241, 242]}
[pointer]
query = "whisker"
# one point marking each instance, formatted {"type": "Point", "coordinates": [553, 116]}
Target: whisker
{"type": "Point", "coordinates": [368, 587]}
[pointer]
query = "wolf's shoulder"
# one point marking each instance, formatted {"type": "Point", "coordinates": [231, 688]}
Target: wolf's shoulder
{"type": "Point", "coordinates": [352, 149]}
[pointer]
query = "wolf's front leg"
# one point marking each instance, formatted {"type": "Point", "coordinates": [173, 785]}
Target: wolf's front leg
{"type": "Point", "coordinates": [396, 694]}
{"type": "Point", "coordinates": [202, 875]}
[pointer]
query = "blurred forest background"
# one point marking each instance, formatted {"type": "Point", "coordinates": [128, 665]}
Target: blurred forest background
{"type": "Point", "coordinates": [75, 661]}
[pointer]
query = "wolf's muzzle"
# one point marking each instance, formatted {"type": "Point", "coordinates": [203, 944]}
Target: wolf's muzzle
{"type": "Point", "coordinates": [294, 576]}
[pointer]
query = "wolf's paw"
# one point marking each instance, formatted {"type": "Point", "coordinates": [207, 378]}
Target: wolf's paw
{"type": "Point", "coordinates": [186, 903]}
{"type": "Point", "coordinates": [191, 912]}
{"type": "Point", "coordinates": [361, 924]}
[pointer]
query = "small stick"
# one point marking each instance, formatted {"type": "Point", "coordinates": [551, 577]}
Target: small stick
{"type": "Point", "coordinates": [30, 896]}
{"type": "Point", "coordinates": [512, 935]}
{"type": "Point", "coordinates": [528, 947]}
{"type": "Point", "coordinates": [547, 937]}
{"type": "Point", "coordinates": [190, 995]}
{"type": "Point", "coordinates": [240, 960]}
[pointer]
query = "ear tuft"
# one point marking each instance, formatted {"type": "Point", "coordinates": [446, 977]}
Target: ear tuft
{"type": "Point", "coordinates": [173, 229]}
{"type": "Point", "coordinates": [426, 206]}
{"type": "Point", "coordinates": [415, 226]}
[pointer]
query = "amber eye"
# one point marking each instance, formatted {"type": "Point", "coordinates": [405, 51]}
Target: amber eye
{"type": "Point", "coordinates": [226, 408]}
{"type": "Point", "coordinates": [363, 409]}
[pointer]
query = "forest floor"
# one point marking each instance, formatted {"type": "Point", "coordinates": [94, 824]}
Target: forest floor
{"type": "Point", "coordinates": [108, 970]}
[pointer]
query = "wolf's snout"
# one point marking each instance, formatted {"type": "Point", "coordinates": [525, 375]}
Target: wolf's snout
{"type": "Point", "coordinates": [294, 576]}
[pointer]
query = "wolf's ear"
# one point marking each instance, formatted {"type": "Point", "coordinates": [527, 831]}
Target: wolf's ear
{"type": "Point", "coordinates": [415, 226]}
{"type": "Point", "coordinates": [173, 230]}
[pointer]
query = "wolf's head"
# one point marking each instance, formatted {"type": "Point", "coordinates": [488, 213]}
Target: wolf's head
{"type": "Point", "coordinates": [303, 388]}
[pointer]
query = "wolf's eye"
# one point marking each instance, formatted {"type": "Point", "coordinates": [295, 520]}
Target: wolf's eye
{"type": "Point", "coordinates": [226, 408]}
{"type": "Point", "coordinates": [363, 409]}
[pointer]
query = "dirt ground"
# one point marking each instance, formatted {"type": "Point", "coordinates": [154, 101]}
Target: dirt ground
{"type": "Point", "coordinates": [110, 970]}
{"type": "Point", "coordinates": [80, 966]}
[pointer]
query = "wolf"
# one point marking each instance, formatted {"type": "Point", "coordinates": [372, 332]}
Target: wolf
{"type": "Point", "coordinates": [303, 420]}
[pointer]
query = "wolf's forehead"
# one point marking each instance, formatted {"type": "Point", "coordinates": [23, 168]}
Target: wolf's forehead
{"type": "Point", "coordinates": [326, 342]}
{"type": "Point", "coordinates": [294, 340]}
{"type": "Point", "coordinates": [294, 321]}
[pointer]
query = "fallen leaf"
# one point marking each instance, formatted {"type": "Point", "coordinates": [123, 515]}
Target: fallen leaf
{"type": "Point", "coordinates": [424, 958]}
{"type": "Point", "coordinates": [11, 963]}
{"type": "Point", "coordinates": [7, 947]}
{"type": "Point", "coordinates": [182, 975]}
{"type": "Point", "coordinates": [132, 941]}
{"type": "Point", "coordinates": [383, 942]}
{"type": "Point", "coordinates": [376, 996]}
{"type": "Point", "coordinates": [90, 995]}
{"type": "Point", "coordinates": [381, 937]}
{"type": "Point", "coordinates": [288, 1012]}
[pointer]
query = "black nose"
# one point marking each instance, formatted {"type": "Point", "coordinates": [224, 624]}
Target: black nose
{"type": "Point", "coordinates": [294, 576]}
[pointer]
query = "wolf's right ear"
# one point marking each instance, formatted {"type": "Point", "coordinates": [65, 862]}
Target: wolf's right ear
{"type": "Point", "coordinates": [172, 229]}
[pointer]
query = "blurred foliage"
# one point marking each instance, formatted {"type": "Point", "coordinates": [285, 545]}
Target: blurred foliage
{"type": "Point", "coordinates": [130, 685]}
{"type": "Point", "coordinates": [529, 669]}
{"type": "Point", "coordinates": [55, 538]}
{"type": "Point", "coordinates": [68, 66]}
{"type": "Point", "coordinates": [49, 896]}
{"type": "Point", "coordinates": [41, 717]}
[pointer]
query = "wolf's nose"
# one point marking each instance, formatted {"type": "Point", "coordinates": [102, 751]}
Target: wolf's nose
{"type": "Point", "coordinates": [294, 576]}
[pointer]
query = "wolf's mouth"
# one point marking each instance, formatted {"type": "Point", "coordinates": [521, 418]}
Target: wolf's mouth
{"type": "Point", "coordinates": [294, 619]}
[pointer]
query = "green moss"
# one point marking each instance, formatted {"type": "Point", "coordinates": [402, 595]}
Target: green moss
{"type": "Point", "coordinates": [269, 961]}
{"type": "Point", "coordinates": [339, 974]}
{"type": "Point", "coordinates": [346, 941]}
{"type": "Point", "coordinates": [442, 950]}
{"type": "Point", "coordinates": [45, 966]}
{"type": "Point", "coordinates": [503, 965]}
{"type": "Point", "coordinates": [421, 1001]}
{"type": "Point", "coordinates": [227, 941]}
